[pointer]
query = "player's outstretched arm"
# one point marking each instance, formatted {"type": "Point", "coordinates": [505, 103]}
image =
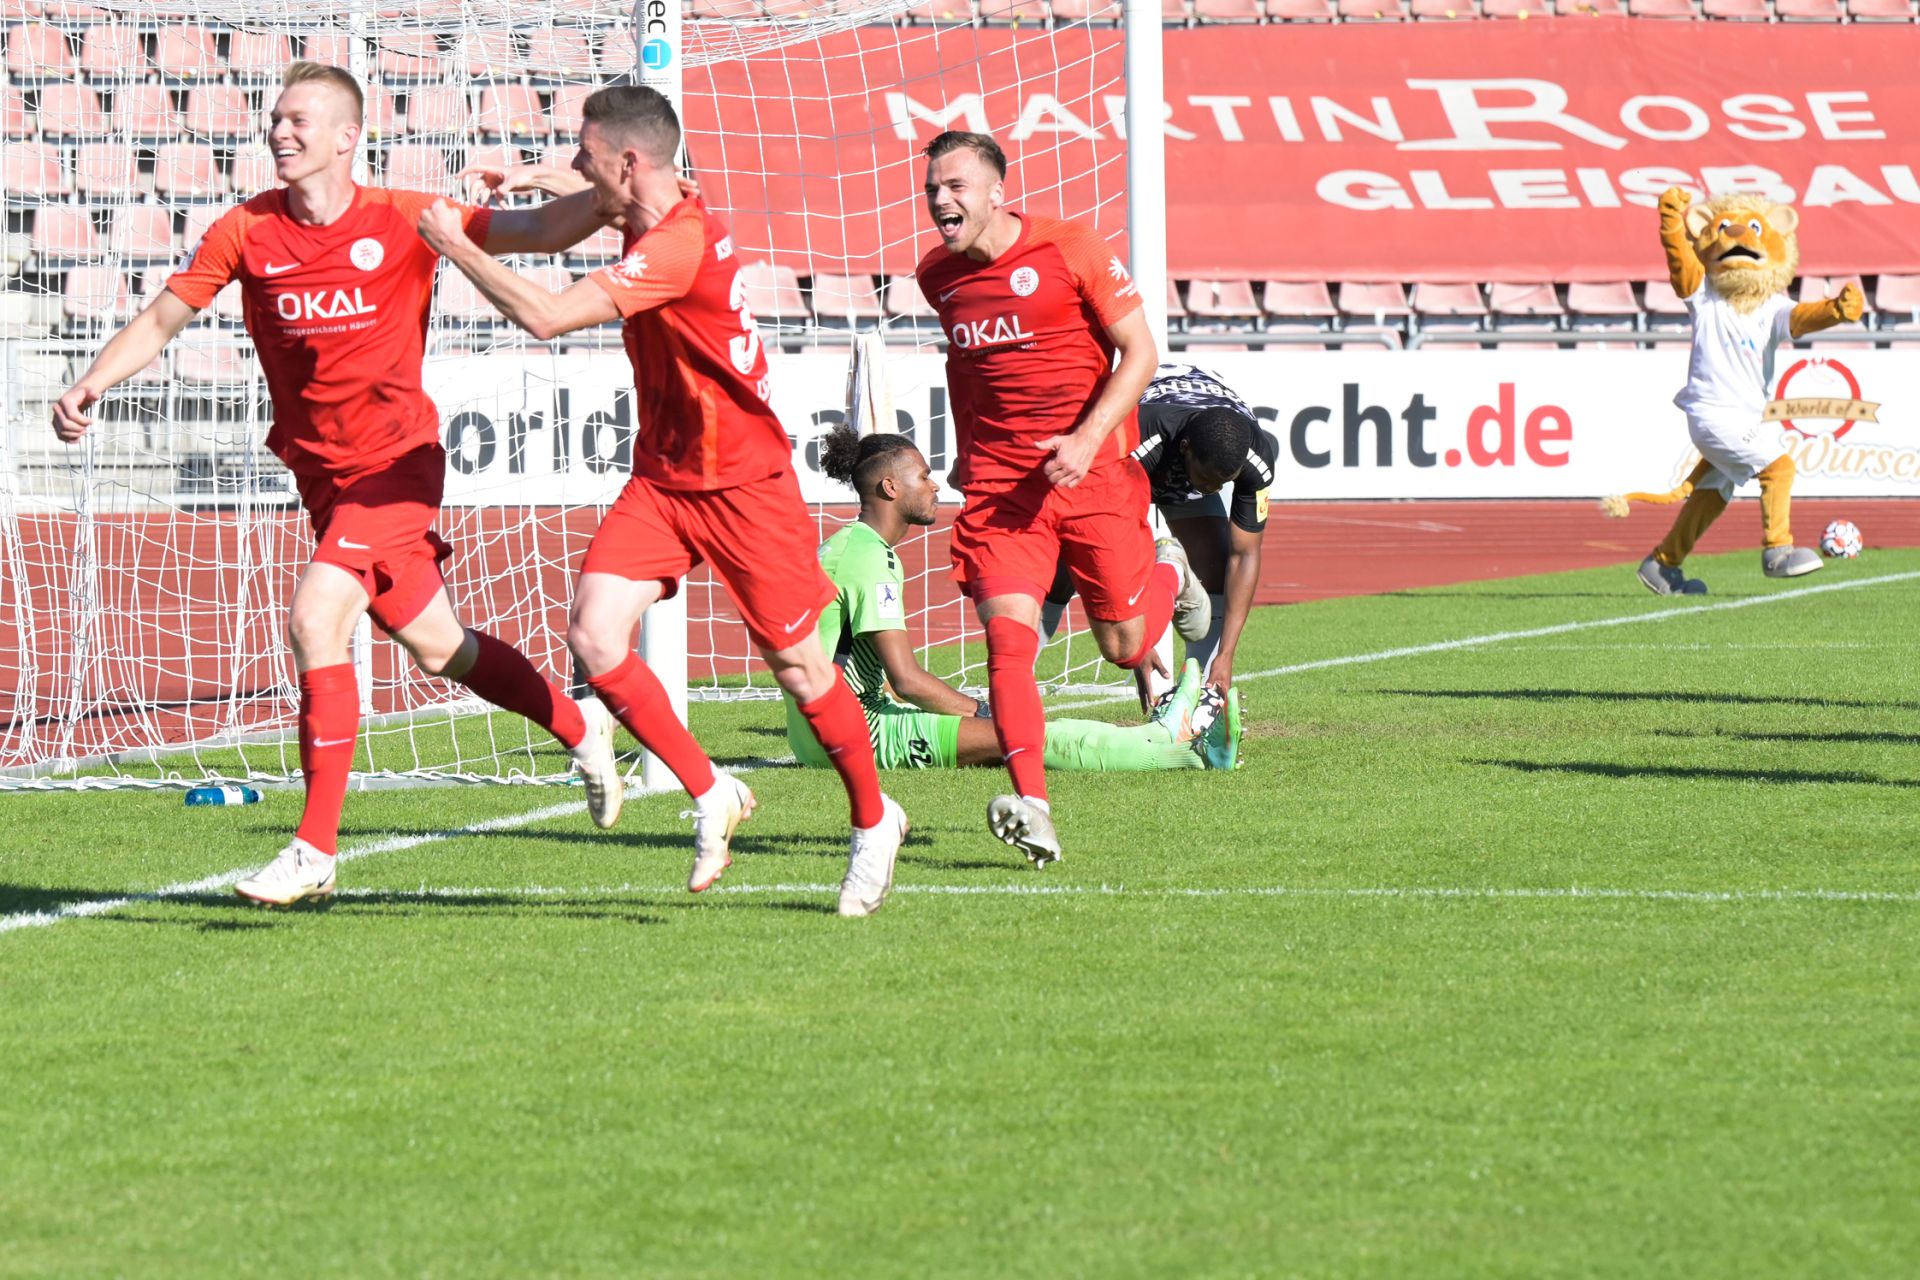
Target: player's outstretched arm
{"type": "Point", "coordinates": [1073, 453]}
{"type": "Point", "coordinates": [126, 353]}
{"type": "Point", "coordinates": [1243, 579]}
{"type": "Point", "coordinates": [914, 683]}
{"type": "Point", "coordinates": [552, 227]}
{"type": "Point", "coordinates": [1811, 317]}
{"type": "Point", "coordinates": [541, 312]}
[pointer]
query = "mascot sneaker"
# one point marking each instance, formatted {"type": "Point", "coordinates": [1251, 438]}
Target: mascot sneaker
{"type": "Point", "coordinates": [1665, 580]}
{"type": "Point", "coordinates": [1789, 561]}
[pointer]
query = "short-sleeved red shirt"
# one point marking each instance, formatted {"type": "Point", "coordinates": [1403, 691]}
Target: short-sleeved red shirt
{"type": "Point", "coordinates": [699, 369]}
{"type": "Point", "coordinates": [339, 316]}
{"type": "Point", "coordinates": [1027, 347]}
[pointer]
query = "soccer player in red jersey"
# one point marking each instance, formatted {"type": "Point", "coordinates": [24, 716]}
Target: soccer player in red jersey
{"type": "Point", "coordinates": [712, 478]}
{"type": "Point", "coordinates": [1034, 311]}
{"type": "Point", "coordinates": [336, 288]}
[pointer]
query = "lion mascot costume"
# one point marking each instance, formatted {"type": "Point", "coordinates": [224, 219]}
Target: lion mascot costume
{"type": "Point", "coordinates": [1730, 261]}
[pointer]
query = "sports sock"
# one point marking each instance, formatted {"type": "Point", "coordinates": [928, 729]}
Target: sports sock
{"type": "Point", "coordinates": [1203, 649]}
{"type": "Point", "coordinates": [1776, 501]}
{"type": "Point", "coordinates": [639, 701]}
{"type": "Point", "coordinates": [502, 675]}
{"type": "Point", "coordinates": [1097, 747]}
{"type": "Point", "coordinates": [1018, 721]}
{"type": "Point", "coordinates": [841, 726]}
{"type": "Point", "coordinates": [1700, 510]}
{"type": "Point", "coordinates": [329, 723]}
{"type": "Point", "coordinates": [1163, 584]}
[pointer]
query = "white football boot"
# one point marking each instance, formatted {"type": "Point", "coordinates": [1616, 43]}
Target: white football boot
{"type": "Point", "coordinates": [1192, 610]}
{"type": "Point", "coordinates": [1026, 826]}
{"type": "Point", "coordinates": [301, 871]}
{"type": "Point", "coordinates": [715, 816]}
{"type": "Point", "coordinates": [599, 771]}
{"type": "Point", "coordinates": [870, 861]}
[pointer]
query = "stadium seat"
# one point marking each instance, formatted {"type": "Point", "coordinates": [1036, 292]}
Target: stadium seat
{"type": "Point", "coordinates": [1661, 9]}
{"type": "Point", "coordinates": [1737, 10]}
{"type": "Point", "coordinates": [37, 52]}
{"type": "Point", "coordinates": [199, 218]}
{"type": "Point", "coordinates": [773, 293]}
{"type": "Point", "coordinates": [1176, 309]}
{"type": "Point", "coordinates": [142, 235]}
{"type": "Point", "coordinates": [1448, 306]}
{"type": "Point", "coordinates": [186, 171]}
{"type": "Point", "coordinates": [847, 301]}
{"type": "Point", "coordinates": [212, 364]}
{"type": "Point", "coordinates": [32, 170]}
{"type": "Point", "coordinates": [1024, 13]}
{"type": "Point", "coordinates": [1443, 10]}
{"type": "Point", "coordinates": [564, 119]}
{"type": "Point", "coordinates": [1370, 300]}
{"type": "Point", "coordinates": [455, 298]}
{"type": "Point", "coordinates": [185, 54]}
{"type": "Point", "coordinates": [1173, 12]}
{"type": "Point", "coordinates": [941, 13]}
{"type": "Point", "coordinates": [1664, 309]}
{"type": "Point", "coordinates": [20, 317]}
{"type": "Point", "coordinates": [95, 296]}
{"type": "Point", "coordinates": [1897, 298]}
{"type": "Point", "coordinates": [410, 57]}
{"type": "Point", "coordinates": [220, 113]}
{"type": "Point", "coordinates": [70, 110]}
{"type": "Point", "coordinates": [1294, 345]}
{"type": "Point", "coordinates": [413, 166]}
{"type": "Point", "coordinates": [613, 56]}
{"type": "Point", "coordinates": [1285, 301]}
{"type": "Point", "coordinates": [1222, 304]}
{"type": "Point", "coordinates": [1809, 11]}
{"type": "Point", "coordinates": [1589, 8]}
{"type": "Point", "coordinates": [1294, 11]}
{"type": "Point", "coordinates": [558, 55]}
{"type": "Point", "coordinates": [1524, 306]}
{"type": "Point", "coordinates": [144, 114]}
{"type": "Point", "coordinates": [382, 115]}
{"type": "Point", "coordinates": [1516, 8]}
{"type": "Point", "coordinates": [1066, 11]}
{"type": "Point", "coordinates": [63, 235]}
{"type": "Point", "coordinates": [511, 111]}
{"type": "Point", "coordinates": [440, 109]}
{"type": "Point", "coordinates": [1230, 10]}
{"type": "Point", "coordinates": [559, 156]}
{"type": "Point", "coordinates": [15, 120]}
{"type": "Point", "coordinates": [490, 155]}
{"type": "Point", "coordinates": [1880, 10]}
{"type": "Point", "coordinates": [258, 57]}
{"type": "Point", "coordinates": [111, 54]}
{"type": "Point", "coordinates": [904, 299]}
{"type": "Point", "coordinates": [726, 10]}
{"type": "Point", "coordinates": [253, 170]}
{"type": "Point", "coordinates": [106, 170]}
{"type": "Point", "coordinates": [1373, 10]}
{"type": "Point", "coordinates": [1602, 305]}
{"type": "Point", "coordinates": [491, 55]}
{"type": "Point", "coordinates": [325, 46]}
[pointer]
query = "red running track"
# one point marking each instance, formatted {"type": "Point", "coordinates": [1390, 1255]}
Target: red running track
{"type": "Point", "coordinates": [176, 659]}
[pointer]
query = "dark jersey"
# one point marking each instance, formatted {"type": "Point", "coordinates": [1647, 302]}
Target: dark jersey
{"type": "Point", "coordinates": [1177, 393]}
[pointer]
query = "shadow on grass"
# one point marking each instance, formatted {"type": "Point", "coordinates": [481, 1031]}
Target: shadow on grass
{"type": "Point", "coordinates": [1700, 773]}
{"type": "Point", "coordinates": [1895, 739]}
{"type": "Point", "coordinates": [1646, 695]}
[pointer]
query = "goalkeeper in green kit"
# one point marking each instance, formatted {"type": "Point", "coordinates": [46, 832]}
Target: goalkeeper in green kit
{"type": "Point", "coordinates": [924, 722]}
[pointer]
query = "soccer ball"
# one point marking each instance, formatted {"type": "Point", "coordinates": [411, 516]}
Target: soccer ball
{"type": "Point", "coordinates": [1842, 538]}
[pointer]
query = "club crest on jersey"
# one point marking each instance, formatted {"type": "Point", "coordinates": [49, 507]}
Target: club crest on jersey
{"type": "Point", "coordinates": [1024, 281]}
{"type": "Point", "coordinates": [322, 304]}
{"type": "Point", "coordinates": [1118, 270]}
{"type": "Point", "coordinates": [631, 269]}
{"type": "Point", "coordinates": [367, 253]}
{"type": "Point", "coordinates": [967, 335]}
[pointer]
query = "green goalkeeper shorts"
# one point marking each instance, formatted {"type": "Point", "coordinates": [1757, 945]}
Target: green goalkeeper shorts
{"type": "Point", "coordinates": [903, 738]}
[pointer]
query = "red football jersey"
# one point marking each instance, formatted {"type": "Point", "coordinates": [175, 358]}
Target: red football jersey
{"type": "Point", "coordinates": [339, 316]}
{"type": "Point", "coordinates": [1027, 346]}
{"type": "Point", "coordinates": [699, 370]}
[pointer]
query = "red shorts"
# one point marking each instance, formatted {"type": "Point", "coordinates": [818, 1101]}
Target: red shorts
{"type": "Point", "coordinates": [379, 528]}
{"type": "Point", "coordinates": [759, 537]}
{"type": "Point", "coordinates": [1014, 539]}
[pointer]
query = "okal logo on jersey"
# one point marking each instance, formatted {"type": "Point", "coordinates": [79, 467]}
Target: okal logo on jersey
{"type": "Point", "coordinates": [367, 253]}
{"type": "Point", "coordinates": [1827, 391]}
{"type": "Point", "coordinates": [968, 335]}
{"type": "Point", "coordinates": [322, 304]}
{"type": "Point", "coordinates": [1024, 281]}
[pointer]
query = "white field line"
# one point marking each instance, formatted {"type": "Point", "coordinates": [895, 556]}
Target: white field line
{"type": "Point", "coordinates": [1501, 637]}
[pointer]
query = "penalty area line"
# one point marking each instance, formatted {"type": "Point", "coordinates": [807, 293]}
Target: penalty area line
{"type": "Point", "coordinates": [1532, 633]}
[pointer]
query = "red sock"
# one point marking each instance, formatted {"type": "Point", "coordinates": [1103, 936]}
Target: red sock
{"type": "Point", "coordinates": [1163, 585]}
{"type": "Point", "coordinates": [837, 720]}
{"type": "Point", "coordinates": [639, 701]}
{"type": "Point", "coordinates": [1018, 720]}
{"type": "Point", "coordinates": [502, 675]}
{"type": "Point", "coordinates": [329, 723]}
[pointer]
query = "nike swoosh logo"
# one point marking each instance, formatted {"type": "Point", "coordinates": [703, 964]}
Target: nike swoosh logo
{"type": "Point", "coordinates": [796, 624]}
{"type": "Point", "coordinates": [331, 742]}
{"type": "Point", "coordinates": [949, 293]}
{"type": "Point", "coordinates": [1011, 754]}
{"type": "Point", "coordinates": [274, 268]}
{"type": "Point", "coordinates": [361, 546]}
{"type": "Point", "coordinates": [1133, 597]}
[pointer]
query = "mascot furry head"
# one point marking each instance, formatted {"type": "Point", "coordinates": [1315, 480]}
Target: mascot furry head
{"type": "Point", "coordinates": [1747, 245]}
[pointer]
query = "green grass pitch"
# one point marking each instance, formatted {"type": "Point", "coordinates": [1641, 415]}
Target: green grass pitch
{"type": "Point", "coordinates": [1583, 953]}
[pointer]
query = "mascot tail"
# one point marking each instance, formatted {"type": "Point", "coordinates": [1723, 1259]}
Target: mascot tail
{"type": "Point", "coordinates": [1616, 505]}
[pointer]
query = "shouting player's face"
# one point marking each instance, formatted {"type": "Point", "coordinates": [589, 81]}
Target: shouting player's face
{"type": "Point", "coordinates": [963, 195]}
{"type": "Point", "coordinates": [313, 130]}
{"type": "Point", "coordinates": [917, 496]}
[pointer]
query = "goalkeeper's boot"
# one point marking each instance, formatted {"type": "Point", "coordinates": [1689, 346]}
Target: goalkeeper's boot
{"type": "Point", "coordinates": [1667, 580]}
{"type": "Point", "coordinates": [1174, 710]}
{"type": "Point", "coordinates": [1026, 826]}
{"type": "Point", "coordinates": [1192, 611]}
{"type": "Point", "coordinates": [1789, 561]}
{"type": "Point", "coordinates": [870, 861]}
{"type": "Point", "coordinates": [300, 872]}
{"type": "Point", "coordinates": [715, 815]}
{"type": "Point", "coordinates": [1220, 744]}
{"type": "Point", "coordinates": [599, 771]}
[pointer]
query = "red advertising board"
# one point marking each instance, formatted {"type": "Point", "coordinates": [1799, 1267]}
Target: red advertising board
{"type": "Point", "coordinates": [1459, 151]}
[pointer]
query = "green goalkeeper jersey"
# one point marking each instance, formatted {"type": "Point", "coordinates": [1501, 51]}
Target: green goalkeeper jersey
{"type": "Point", "coordinates": [870, 588]}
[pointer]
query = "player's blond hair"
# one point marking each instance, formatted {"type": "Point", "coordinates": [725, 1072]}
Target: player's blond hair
{"type": "Point", "coordinates": [337, 77]}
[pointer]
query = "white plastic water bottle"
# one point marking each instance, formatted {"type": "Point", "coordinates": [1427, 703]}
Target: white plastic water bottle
{"type": "Point", "coordinates": [222, 795]}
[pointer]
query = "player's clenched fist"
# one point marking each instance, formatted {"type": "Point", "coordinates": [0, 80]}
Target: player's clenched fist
{"type": "Point", "coordinates": [1674, 202]}
{"type": "Point", "coordinates": [1851, 303]}
{"type": "Point", "coordinates": [441, 226]}
{"type": "Point", "coordinates": [70, 420]}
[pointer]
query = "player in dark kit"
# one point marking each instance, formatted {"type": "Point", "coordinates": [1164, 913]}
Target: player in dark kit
{"type": "Point", "coordinates": [1035, 310]}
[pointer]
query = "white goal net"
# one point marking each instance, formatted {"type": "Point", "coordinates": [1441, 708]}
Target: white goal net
{"type": "Point", "coordinates": [145, 575]}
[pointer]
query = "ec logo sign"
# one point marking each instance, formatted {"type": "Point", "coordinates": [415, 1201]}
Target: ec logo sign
{"type": "Point", "coordinates": [656, 54]}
